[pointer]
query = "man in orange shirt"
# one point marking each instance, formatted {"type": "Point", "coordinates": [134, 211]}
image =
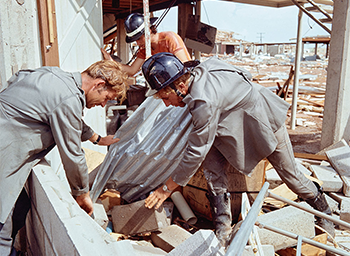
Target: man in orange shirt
{"type": "Point", "coordinates": [167, 41]}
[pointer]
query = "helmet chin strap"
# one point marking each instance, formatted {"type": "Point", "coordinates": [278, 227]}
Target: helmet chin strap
{"type": "Point", "coordinates": [177, 91]}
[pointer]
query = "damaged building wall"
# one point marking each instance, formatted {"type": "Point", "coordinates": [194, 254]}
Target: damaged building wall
{"type": "Point", "coordinates": [19, 38]}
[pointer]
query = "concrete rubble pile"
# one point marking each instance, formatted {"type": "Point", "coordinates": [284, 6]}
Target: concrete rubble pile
{"type": "Point", "coordinates": [166, 232]}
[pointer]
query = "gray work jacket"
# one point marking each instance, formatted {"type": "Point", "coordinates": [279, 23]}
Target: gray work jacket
{"type": "Point", "coordinates": [38, 109]}
{"type": "Point", "coordinates": [229, 112]}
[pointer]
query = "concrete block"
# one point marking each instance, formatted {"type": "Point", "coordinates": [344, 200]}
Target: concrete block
{"type": "Point", "coordinates": [330, 178]}
{"type": "Point", "coordinates": [202, 243]}
{"type": "Point", "coordinates": [340, 161]}
{"type": "Point", "coordinates": [170, 237]}
{"type": "Point", "coordinates": [333, 204]}
{"type": "Point", "coordinates": [58, 226]}
{"type": "Point", "coordinates": [135, 218]}
{"type": "Point", "coordinates": [268, 250]}
{"type": "Point", "coordinates": [339, 197]}
{"type": "Point", "coordinates": [100, 215]}
{"type": "Point", "coordinates": [345, 210]}
{"type": "Point", "coordinates": [290, 219]}
{"type": "Point", "coordinates": [338, 144]}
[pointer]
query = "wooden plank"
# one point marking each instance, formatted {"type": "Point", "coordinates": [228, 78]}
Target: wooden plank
{"type": "Point", "coordinates": [340, 161]}
{"type": "Point", "coordinates": [312, 102]}
{"type": "Point", "coordinates": [311, 156]}
{"type": "Point", "coordinates": [48, 32]}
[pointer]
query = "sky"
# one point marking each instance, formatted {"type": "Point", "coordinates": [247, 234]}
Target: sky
{"type": "Point", "coordinates": [250, 22]}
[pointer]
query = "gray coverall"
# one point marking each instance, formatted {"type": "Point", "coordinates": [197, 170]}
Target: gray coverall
{"type": "Point", "coordinates": [239, 123]}
{"type": "Point", "coordinates": [39, 109]}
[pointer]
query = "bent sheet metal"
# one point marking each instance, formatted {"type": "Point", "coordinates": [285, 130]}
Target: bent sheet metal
{"type": "Point", "coordinates": [152, 142]}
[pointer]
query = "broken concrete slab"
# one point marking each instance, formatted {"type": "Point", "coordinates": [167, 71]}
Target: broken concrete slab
{"type": "Point", "coordinates": [333, 204]}
{"type": "Point", "coordinates": [56, 225]}
{"type": "Point", "coordinates": [338, 144]}
{"type": "Point", "coordinates": [203, 242]}
{"type": "Point", "coordinates": [345, 211]}
{"type": "Point", "coordinates": [290, 219]}
{"type": "Point", "coordinates": [100, 215]}
{"type": "Point", "coordinates": [170, 237]}
{"type": "Point", "coordinates": [330, 178]}
{"type": "Point", "coordinates": [135, 218]}
{"type": "Point", "coordinates": [340, 161]}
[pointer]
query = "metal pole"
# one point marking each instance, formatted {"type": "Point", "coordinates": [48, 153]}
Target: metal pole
{"type": "Point", "coordinates": [310, 210]}
{"type": "Point", "coordinates": [240, 239]}
{"type": "Point", "coordinates": [147, 26]}
{"type": "Point", "coordinates": [304, 239]}
{"type": "Point", "coordinates": [298, 55]}
{"type": "Point", "coordinates": [197, 54]}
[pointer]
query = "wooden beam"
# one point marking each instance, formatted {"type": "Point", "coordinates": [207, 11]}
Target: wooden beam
{"type": "Point", "coordinates": [48, 32]}
{"type": "Point", "coordinates": [310, 156]}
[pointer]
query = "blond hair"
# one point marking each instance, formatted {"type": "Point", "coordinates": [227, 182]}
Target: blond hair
{"type": "Point", "coordinates": [111, 72]}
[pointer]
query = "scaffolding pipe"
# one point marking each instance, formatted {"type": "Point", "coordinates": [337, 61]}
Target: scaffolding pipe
{"type": "Point", "coordinates": [241, 238]}
{"type": "Point", "coordinates": [320, 10]}
{"type": "Point", "coordinates": [301, 7]}
{"type": "Point", "coordinates": [298, 55]}
{"type": "Point", "coordinates": [310, 210]}
{"type": "Point", "coordinates": [304, 239]}
{"type": "Point", "coordinates": [146, 18]}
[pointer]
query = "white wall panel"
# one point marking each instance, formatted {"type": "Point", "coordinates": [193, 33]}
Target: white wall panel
{"type": "Point", "coordinates": [80, 33]}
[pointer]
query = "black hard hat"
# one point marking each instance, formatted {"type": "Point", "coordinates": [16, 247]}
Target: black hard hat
{"type": "Point", "coordinates": [135, 26]}
{"type": "Point", "coordinates": [161, 70]}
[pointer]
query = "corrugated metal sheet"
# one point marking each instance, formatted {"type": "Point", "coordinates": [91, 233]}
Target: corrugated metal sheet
{"type": "Point", "coordinates": [152, 143]}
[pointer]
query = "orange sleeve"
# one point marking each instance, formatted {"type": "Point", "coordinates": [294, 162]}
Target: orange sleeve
{"type": "Point", "coordinates": [176, 44]}
{"type": "Point", "coordinates": [141, 54]}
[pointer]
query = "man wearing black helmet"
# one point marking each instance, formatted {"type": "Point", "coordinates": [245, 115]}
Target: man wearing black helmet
{"type": "Point", "coordinates": [167, 41]}
{"type": "Point", "coordinates": [235, 122]}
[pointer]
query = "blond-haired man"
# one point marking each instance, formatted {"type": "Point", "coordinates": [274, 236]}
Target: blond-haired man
{"type": "Point", "coordinates": [40, 109]}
